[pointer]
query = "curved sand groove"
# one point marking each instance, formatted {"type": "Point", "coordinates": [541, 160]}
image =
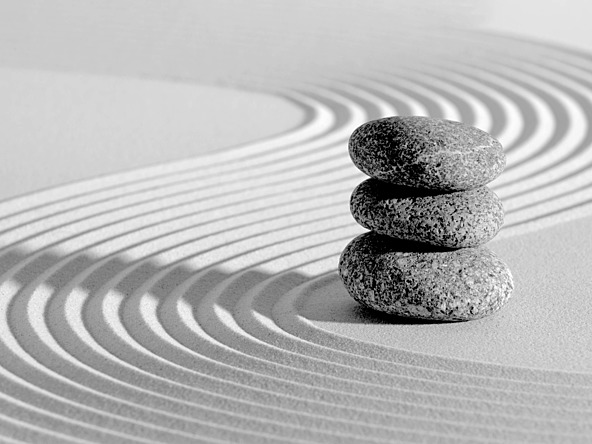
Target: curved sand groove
{"type": "Point", "coordinates": [464, 105]}
{"type": "Point", "coordinates": [319, 120]}
{"type": "Point", "coordinates": [406, 364]}
{"type": "Point", "coordinates": [507, 116]}
{"type": "Point", "coordinates": [195, 300]}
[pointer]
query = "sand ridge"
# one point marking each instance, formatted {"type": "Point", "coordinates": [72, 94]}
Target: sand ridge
{"type": "Point", "coordinates": [197, 301]}
{"type": "Point", "coordinates": [176, 302]}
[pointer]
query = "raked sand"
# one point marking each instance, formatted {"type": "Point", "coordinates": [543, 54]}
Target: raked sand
{"type": "Point", "coordinates": [196, 299]}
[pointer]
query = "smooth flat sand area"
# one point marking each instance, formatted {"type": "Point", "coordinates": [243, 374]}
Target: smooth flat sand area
{"type": "Point", "coordinates": [546, 325]}
{"type": "Point", "coordinates": [62, 127]}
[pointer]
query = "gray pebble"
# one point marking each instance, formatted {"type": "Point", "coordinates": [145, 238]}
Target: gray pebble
{"type": "Point", "coordinates": [456, 219]}
{"type": "Point", "coordinates": [426, 153]}
{"type": "Point", "coordinates": [411, 279]}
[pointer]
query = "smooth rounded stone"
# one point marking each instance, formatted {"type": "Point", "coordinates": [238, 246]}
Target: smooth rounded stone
{"type": "Point", "coordinates": [456, 219]}
{"type": "Point", "coordinates": [414, 280]}
{"type": "Point", "coordinates": [427, 153]}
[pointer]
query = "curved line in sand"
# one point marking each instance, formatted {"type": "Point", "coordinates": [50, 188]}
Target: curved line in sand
{"type": "Point", "coordinates": [141, 308]}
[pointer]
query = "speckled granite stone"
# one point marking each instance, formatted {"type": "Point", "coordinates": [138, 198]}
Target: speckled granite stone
{"type": "Point", "coordinates": [456, 219]}
{"type": "Point", "coordinates": [426, 153]}
{"type": "Point", "coordinates": [411, 279]}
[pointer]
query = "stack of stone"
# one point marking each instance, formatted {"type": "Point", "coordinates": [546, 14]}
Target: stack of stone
{"type": "Point", "coordinates": [429, 212]}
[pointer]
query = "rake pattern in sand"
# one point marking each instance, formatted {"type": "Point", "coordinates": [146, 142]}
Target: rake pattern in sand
{"type": "Point", "coordinates": [173, 304]}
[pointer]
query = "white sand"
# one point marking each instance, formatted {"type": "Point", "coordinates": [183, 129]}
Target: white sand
{"type": "Point", "coordinates": [545, 326]}
{"type": "Point", "coordinates": [196, 300]}
{"type": "Point", "coordinates": [98, 125]}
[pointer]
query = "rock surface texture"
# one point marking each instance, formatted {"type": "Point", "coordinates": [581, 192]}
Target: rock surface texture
{"type": "Point", "coordinates": [426, 153]}
{"type": "Point", "coordinates": [429, 211]}
{"type": "Point", "coordinates": [412, 279]}
{"type": "Point", "coordinates": [457, 219]}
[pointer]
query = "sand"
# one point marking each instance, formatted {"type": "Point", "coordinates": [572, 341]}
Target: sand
{"type": "Point", "coordinates": [102, 124]}
{"type": "Point", "coordinates": [197, 300]}
{"type": "Point", "coordinates": [550, 291]}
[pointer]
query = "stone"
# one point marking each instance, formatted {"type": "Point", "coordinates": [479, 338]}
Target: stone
{"type": "Point", "coordinates": [457, 219]}
{"type": "Point", "coordinates": [411, 279]}
{"type": "Point", "coordinates": [427, 153]}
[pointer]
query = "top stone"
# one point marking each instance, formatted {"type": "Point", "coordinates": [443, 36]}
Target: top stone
{"type": "Point", "coordinates": [427, 153]}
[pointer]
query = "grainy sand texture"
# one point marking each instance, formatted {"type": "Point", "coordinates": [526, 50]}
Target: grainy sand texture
{"type": "Point", "coordinates": [170, 275]}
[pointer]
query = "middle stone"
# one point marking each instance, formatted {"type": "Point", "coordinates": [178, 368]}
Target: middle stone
{"type": "Point", "coordinates": [457, 219]}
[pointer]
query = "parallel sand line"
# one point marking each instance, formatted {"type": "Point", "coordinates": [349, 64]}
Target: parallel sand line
{"type": "Point", "coordinates": [204, 291]}
{"type": "Point", "coordinates": [320, 122]}
{"type": "Point", "coordinates": [154, 184]}
{"type": "Point", "coordinates": [508, 109]}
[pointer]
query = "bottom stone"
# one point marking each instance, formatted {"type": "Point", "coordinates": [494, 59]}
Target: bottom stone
{"type": "Point", "coordinates": [416, 280]}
